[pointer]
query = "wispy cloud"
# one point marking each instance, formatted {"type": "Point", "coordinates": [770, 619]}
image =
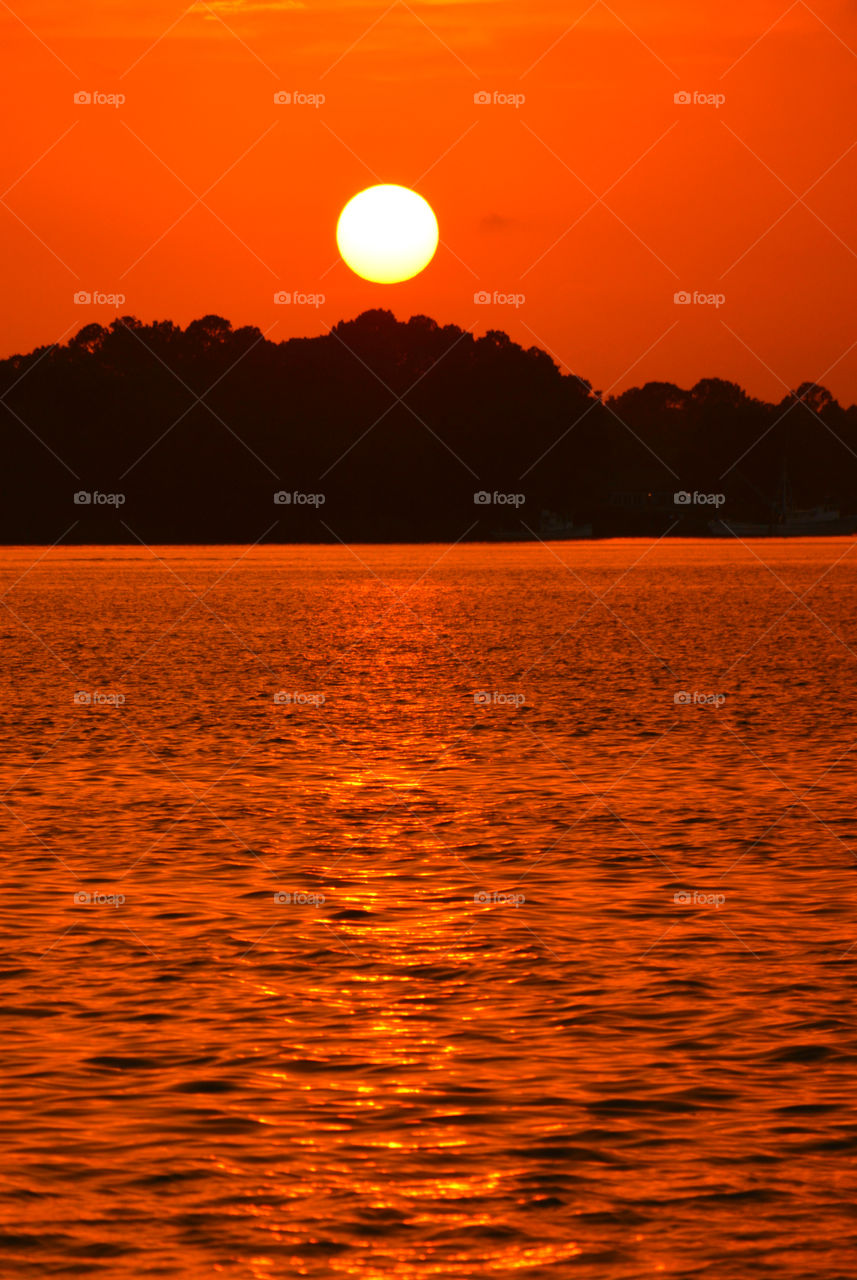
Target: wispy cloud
{"type": "Point", "coordinates": [238, 7]}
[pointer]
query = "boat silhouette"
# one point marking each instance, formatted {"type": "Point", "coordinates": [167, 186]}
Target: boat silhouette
{"type": "Point", "coordinates": [551, 528]}
{"type": "Point", "coordinates": [789, 521]}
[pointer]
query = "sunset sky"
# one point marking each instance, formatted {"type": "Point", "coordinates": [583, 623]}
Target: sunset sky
{"type": "Point", "coordinates": [201, 194]}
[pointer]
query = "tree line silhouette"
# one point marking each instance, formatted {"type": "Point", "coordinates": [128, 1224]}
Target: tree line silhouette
{"type": "Point", "coordinates": [382, 430]}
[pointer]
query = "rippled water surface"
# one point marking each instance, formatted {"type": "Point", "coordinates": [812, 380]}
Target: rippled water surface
{"type": "Point", "coordinates": [400, 922]}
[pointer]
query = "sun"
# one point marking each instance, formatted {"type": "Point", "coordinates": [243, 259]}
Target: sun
{"type": "Point", "coordinates": [387, 234]}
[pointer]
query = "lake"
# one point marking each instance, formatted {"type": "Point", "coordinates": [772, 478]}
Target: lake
{"type": "Point", "coordinates": [420, 911]}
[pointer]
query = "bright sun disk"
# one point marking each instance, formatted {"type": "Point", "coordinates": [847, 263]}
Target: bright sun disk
{"type": "Point", "coordinates": [387, 233]}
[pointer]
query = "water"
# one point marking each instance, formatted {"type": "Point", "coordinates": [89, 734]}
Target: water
{"type": "Point", "coordinates": [553, 988]}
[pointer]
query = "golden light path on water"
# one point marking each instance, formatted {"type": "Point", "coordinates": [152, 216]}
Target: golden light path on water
{"type": "Point", "coordinates": [397, 981]}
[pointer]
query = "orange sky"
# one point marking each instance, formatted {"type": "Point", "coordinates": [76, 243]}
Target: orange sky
{"type": "Point", "coordinates": [698, 197]}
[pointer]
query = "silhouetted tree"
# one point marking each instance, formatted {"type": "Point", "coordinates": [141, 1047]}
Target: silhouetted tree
{"type": "Point", "coordinates": [396, 424]}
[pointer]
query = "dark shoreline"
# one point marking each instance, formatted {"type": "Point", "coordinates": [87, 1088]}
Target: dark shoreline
{"type": "Point", "coordinates": [419, 542]}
